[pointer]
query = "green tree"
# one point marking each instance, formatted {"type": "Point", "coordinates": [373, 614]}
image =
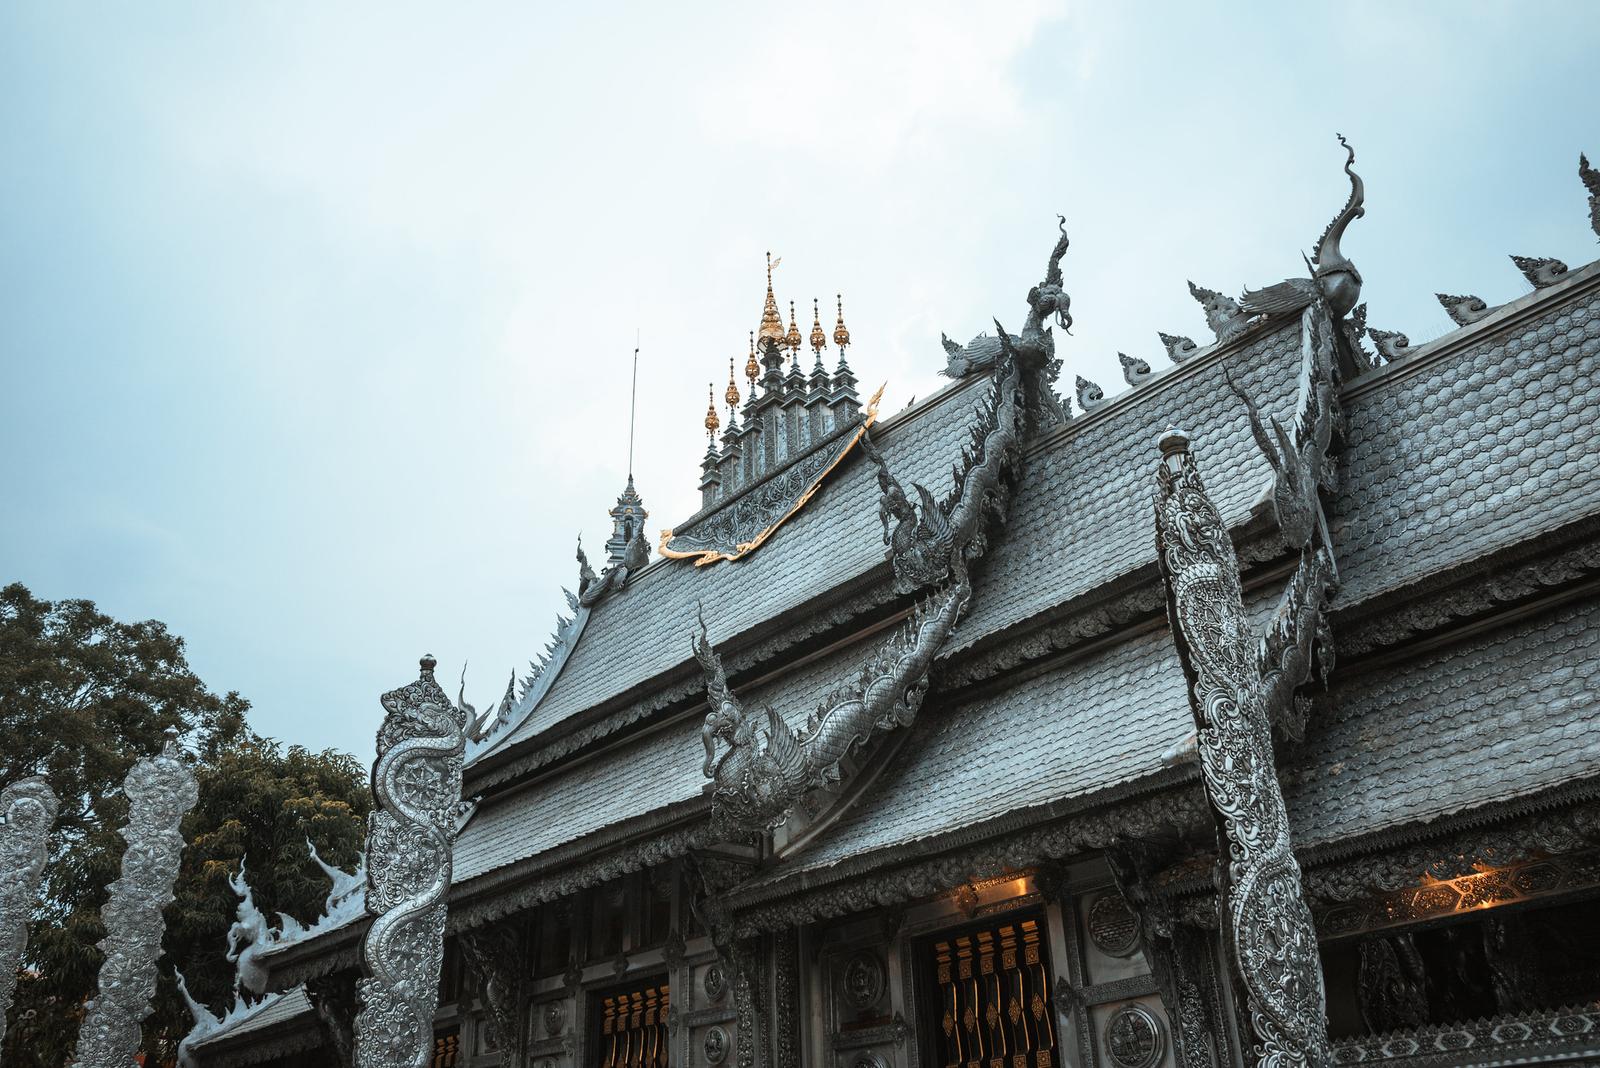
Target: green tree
{"type": "Point", "coordinates": [82, 697]}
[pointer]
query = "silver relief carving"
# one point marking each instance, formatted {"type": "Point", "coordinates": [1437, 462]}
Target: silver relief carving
{"type": "Point", "coordinates": [863, 980]}
{"type": "Point", "coordinates": [1113, 927]}
{"type": "Point", "coordinates": [160, 790]}
{"type": "Point", "coordinates": [28, 809]}
{"type": "Point", "coordinates": [715, 1045]}
{"type": "Point", "coordinates": [1463, 310]}
{"type": "Point", "coordinates": [1235, 679]}
{"type": "Point", "coordinates": [1134, 1037]}
{"type": "Point", "coordinates": [416, 783]}
{"type": "Point", "coordinates": [1540, 271]}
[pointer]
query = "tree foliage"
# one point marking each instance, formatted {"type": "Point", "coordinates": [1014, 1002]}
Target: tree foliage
{"type": "Point", "coordinates": [82, 697]}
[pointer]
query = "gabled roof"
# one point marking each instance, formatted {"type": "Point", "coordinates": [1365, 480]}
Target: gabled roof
{"type": "Point", "coordinates": [1475, 442]}
{"type": "Point", "coordinates": [1501, 716]}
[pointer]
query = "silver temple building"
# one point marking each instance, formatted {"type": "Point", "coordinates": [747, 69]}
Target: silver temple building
{"type": "Point", "coordinates": [1243, 715]}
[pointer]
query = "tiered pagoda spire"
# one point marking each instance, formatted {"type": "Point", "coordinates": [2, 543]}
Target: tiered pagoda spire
{"type": "Point", "coordinates": [786, 411]}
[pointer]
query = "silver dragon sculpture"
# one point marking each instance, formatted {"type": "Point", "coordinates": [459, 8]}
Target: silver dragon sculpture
{"type": "Point", "coordinates": [160, 791]}
{"type": "Point", "coordinates": [416, 783]}
{"type": "Point", "coordinates": [28, 809]}
{"type": "Point", "coordinates": [769, 767]}
{"type": "Point", "coordinates": [1243, 684]}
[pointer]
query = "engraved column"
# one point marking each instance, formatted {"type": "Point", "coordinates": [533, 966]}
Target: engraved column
{"type": "Point", "coordinates": [416, 783]}
{"type": "Point", "coordinates": [1268, 927]}
{"type": "Point", "coordinates": [28, 809]}
{"type": "Point", "coordinates": [160, 791]}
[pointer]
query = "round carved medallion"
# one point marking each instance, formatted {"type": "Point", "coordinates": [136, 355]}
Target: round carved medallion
{"type": "Point", "coordinates": [863, 980]}
{"type": "Point", "coordinates": [716, 1045]}
{"type": "Point", "coordinates": [1134, 1037]}
{"type": "Point", "coordinates": [555, 1018]}
{"type": "Point", "coordinates": [714, 983]}
{"type": "Point", "coordinates": [869, 1060]}
{"type": "Point", "coordinates": [1113, 928]}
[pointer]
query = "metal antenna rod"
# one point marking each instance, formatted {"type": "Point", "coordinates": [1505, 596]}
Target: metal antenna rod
{"type": "Point", "coordinates": [633, 401]}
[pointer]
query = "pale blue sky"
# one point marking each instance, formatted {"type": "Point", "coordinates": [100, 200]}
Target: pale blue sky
{"type": "Point", "coordinates": [315, 319]}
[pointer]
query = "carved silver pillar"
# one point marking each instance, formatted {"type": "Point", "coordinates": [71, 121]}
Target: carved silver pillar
{"type": "Point", "coordinates": [28, 809]}
{"type": "Point", "coordinates": [416, 783]}
{"type": "Point", "coordinates": [1267, 924]}
{"type": "Point", "coordinates": [160, 791]}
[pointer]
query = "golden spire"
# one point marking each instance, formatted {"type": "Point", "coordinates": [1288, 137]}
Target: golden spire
{"type": "Point", "coordinates": [732, 395]}
{"type": "Point", "coordinates": [819, 340]}
{"type": "Point", "coordinates": [712, 422]}
{"type": "Point", "coordinates": [841, 333]}
{"type": "Point", "coordinates": [792, 338]}
{"type": "Point", "coordinates": [752, 369]}
{"type": "Point", "coordinates": [771, 321]}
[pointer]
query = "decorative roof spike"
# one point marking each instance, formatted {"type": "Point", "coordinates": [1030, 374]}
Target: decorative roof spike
{"type": "Point", "coordinates": [771, 321]}
{"type": "Point", "coordinates": [1591, 182]}
{"type": "Point", "coordinates": [819, 338]}
{"type": "Point", "coordinates": [1179, 348]}
{"type": "Point", "coordinates": [752, 368]}
{"type": "Point", "coordinates": [1392, 345]}
{"type": "Point", "coordinates": [1540, 271]}
{"type": "Point", "coordinates": [841, 333]}
{"type": "Point", "coordinates": [792, 338]}
{"type": "Point", "coordinates": [1090, 396]}
{"type": "Point", "coordinates": [1223, 313]}
{"type": "Point", "coordinates": [712, 422]}
{"type": "Point", "coordinates": [731, 394]}
{"type": "Point", "coordinates": [1464, 311]}
{"type": "Point", "coordinates": [1134, 370]}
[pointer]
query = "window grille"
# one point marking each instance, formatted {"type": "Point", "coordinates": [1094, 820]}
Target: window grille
{"type": "Point", "coordinates": [993, 1002]}
{"type": "Point", "coordinates": [633, 1027]}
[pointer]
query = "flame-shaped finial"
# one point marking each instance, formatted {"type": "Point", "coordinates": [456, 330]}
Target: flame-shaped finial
{"type": "Point", "coordinates": [732, 394]}
{"type": "Point", "coordinates": [752, 369]}
{"type": "Point", "coordinates": [841, 333]}
{"type": "Point", "coordinates": [819, 339]}
{"type": "Point", "coordinates": [712, 422]}
{"type": "Point", "coordinates": [792, 338]}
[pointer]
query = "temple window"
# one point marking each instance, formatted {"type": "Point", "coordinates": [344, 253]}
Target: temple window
{"type": "Point", "coordinates": [1496, 962]}
{"type": "Point", "coordinates": [446, 1047]}
{"type": "Point", "coordinates": [987, 992]}
{"type": "Point", "coordinates": [630, 1025]}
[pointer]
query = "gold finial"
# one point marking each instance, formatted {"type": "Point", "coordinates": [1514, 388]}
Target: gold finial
{"type": "Point", "coordinates": [712, 422]}
{"type": "Point", "coordinates": [732, 395]}
{"type": "Point", "coordinates": [819, 340]}
{"type": "Point", "coordinates": [792, 338]}
{"type": "Point", "coordinates": [771, 321]}
{"type": "Point", "coordinates": [841, 333]}
{"type": "Point", "coordinates": [752, 369]}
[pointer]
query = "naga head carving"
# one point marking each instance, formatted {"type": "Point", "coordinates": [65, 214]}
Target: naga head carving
{"type": "Point", "coordinates": [1049, 298]}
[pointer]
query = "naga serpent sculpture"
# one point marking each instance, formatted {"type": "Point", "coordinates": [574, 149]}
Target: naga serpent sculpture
{"type": "Point", "coordinates": [416, 783]}
{"type": "Point", "coordinates": [769, 767]}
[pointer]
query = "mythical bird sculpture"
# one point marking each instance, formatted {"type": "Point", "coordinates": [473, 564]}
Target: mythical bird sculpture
{"type": "Point", "coordinates": [768, 767]}
{"type": "Point", "coordinates": [591, 590]}
{"type": "Point", "coordinates": [1333, 277]}
{"type": "Point", "coordinates": [1299, 455]}
{"type": "Point", "coordinates": [1223, 314]}
{"type": "Point", "coordinates": [979, 354]}
{"type": "Point", "coordinates": [1034, 350]}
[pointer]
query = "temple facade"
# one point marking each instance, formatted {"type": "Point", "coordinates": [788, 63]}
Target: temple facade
{"type": "Point", "coordinates": [1243, 715]}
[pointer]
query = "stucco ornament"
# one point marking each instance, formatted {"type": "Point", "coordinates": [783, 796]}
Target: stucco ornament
{"type": "Point", "coordinates": [1235, 679]}
{"type": "Point", "coordinates": [28, 809]}
{"type": "Point", "coordinates": [416, 783]}
{"type": "Point", "coordinates": [160, 790]}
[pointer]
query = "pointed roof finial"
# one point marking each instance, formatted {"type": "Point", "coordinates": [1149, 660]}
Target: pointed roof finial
{"type": "Point", "coordinates": [712, 422]}
{"type": "Point", "coordinates": [841, 333]}
{"type": "Point", "coordinates": [792, 338]}
{"type": "Point", "coordinates": [752, 369]}
{"type": "Point", "coordinates": [771, 322]}
{"type": "Point", "coordinates": [819, 339]}
{"type": "Point", "coordinates": [732, 394]}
